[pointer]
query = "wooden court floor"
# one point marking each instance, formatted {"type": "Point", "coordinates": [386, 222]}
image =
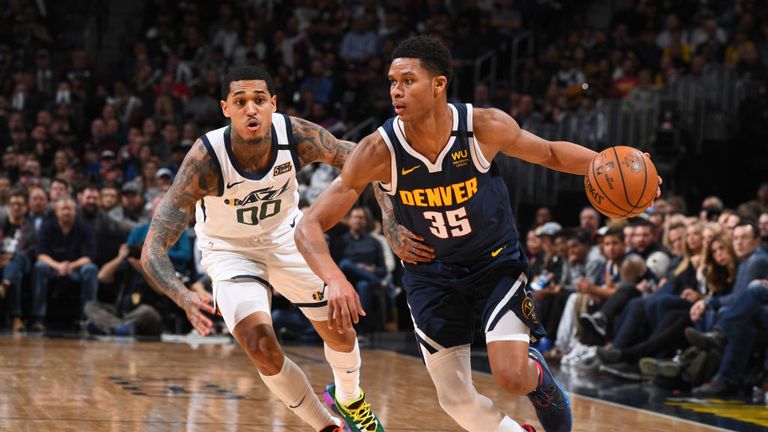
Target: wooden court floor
{"type": "Point", "coordinates": [82, 385]}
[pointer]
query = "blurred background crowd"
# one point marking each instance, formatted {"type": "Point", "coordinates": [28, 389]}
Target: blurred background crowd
{"type": "Point", "coordinates": [100, 101]}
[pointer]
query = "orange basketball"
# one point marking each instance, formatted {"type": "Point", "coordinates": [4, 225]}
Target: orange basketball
{"type": "Point", "coordinates": [621, 182]}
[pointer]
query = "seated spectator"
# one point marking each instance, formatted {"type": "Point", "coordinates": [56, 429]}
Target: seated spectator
{"type": "Point", "coordinates": [128, 315]}
{"type": "Point", "coordinates": [14, 261]}
{"type": "Point", "coordinates": [66, 249]}
{"type": "Point", "coordinates": [734, 335]}
{"type": "Point", "coordinates": [181, 251]}
{"type": "Point", "coordinates": [131, 212]}
{"type": "Point", "coordinates": [107, 230]}
{"type": "Point", "coordinates": [109, 198]}
{"type": "Point", "coordinates": [637, 337]}
{"type": "Point", "coordinates": [361, 258]}
{"type": "Point", "coordinates": [753, 264]}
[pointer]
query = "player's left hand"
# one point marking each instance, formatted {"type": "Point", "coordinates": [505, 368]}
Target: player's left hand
{"type": "Point", "coordinates": [344, 307]}
{"type": "Point", "coordinates": [408, 246]}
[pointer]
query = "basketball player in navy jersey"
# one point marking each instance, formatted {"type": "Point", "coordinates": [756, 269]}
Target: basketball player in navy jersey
{"type": "Point", "coordinates": [433, 160]}
{"type": "Point", "coordinates": [241, 179]}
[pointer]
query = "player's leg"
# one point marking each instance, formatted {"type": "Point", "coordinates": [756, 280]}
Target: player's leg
{"type": "Point", "coordinates": [444, 325]}
{"type": "Point", "coordinates": [509, 318]}
{"type": "Point", "coordinates": [292, 278]}
{"type": "Point", "coordinates": [245, 305]}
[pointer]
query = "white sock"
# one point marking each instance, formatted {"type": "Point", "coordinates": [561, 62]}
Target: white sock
{"type": "Point", "coordinates": [346, 372]}
{"type": "Point", "coordinates": [291, 386]}
{"type": "Point", "coordinates": [509, 425]}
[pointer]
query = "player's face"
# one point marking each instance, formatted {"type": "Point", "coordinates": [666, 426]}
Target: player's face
{"type": "Point", "coordinates": [249, 106]}
{"type": "Point", "coordinates": [411, 88]}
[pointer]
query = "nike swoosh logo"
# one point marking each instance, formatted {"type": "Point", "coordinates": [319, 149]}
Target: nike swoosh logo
{"type": "Point", "coordinates": [231, 185]}
{"type": "Point", "coordinates": [408, 171]}
{"type": "Point", "coordinates": [298, 404]}
{"type": "Point", "coordinates": [497, 251]}
{"type": "Point", "coordinates": [293, 224]}
{"type": "Point", "coordinates": [353, 371]}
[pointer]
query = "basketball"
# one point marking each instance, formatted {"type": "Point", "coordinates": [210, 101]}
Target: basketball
{"type": "Point", "coordinates": [621, 182]}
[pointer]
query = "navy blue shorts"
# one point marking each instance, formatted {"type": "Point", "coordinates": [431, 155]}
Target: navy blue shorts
{"type": "Point", "coordinates": [447, 301]}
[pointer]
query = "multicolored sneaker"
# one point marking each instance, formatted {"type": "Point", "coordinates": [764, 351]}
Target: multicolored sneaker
{"type": "Point", "coordinates": [357, 415]}
{"type": "Point", "coordinates": [550, 400]}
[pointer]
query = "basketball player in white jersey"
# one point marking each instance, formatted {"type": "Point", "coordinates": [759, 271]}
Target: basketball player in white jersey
{"type": "Point", "coordinates": [242, 181]}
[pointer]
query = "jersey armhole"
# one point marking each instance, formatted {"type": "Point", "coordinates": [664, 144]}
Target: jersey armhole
{"type": "Point", "coordinates": [478, 159]}
{"type": "Point", "coordinates": [215, 158]}
{"type": "Point", "coordinates": [390, 187]}
{"type": "Point", "coordinates": [292, 143]}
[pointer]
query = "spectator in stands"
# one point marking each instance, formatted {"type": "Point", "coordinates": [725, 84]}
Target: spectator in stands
{"type": "Point", "coordinates": [14, 261]}
{"type": "Point", "coordinates": [360, 42]}
{"type": "Point", "coordinates": [361, 258]}
{"type": "Point", "coordinates": [109, 198]}
{"type": "Point", "coordinates": [128, 315]}
{"type": "Point", "coordinates": [38, 207]}
{"type": "Point", "coordinates": [181, 251]}
{"type": "Point", "coordinates": [131, 212]}
{"type": "Point", "coordinates": [655, 255]}
{"type": "Point", "coordinates": [734, 335]}
{"type": "Point", "coordinates": [66, 248]}
{"type": "Point", "coordinates": [763, 225]}
{"type": "Point", "coordinates": [753, 264]}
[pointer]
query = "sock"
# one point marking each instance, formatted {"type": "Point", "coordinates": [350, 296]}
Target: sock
{"type": "Point", "coordinates": [291, 386]}
{"type": "Point", "coordinates": [346, 373]}
{"type": "Point", "coordinates": [509, 425]}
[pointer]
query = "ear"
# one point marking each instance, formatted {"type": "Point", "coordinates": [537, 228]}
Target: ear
{"type": "Point", "coordinates": [274, 103]}
{"type": "Point", "coordinates": [224, 109]}
{"type": "Point", "coordinates": [440, 84]}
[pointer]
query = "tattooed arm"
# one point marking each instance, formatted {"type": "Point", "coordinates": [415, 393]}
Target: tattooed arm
{"type": "Point", "coordinates": [315, 144]}
{"type": "Point", "coordinates": [405, 244]}
{"type": "Point", "coordinates": [197, 177]}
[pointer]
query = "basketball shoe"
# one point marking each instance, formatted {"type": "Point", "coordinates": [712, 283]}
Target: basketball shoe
{"type": "Point", "coordinates": [357, 415]}
{"type": "Point", "coordinates": [550, 400]}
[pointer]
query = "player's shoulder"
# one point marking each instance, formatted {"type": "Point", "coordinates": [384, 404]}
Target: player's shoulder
{"type": "Point", "coordinates": [493, 123]}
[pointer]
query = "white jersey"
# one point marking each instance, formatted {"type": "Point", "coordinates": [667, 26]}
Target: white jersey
{"type": "Point", "coordinates": [251, 209]}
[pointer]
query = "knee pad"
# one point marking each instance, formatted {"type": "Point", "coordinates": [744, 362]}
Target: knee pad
{"type": "Point", "coordinates": [452, 374]}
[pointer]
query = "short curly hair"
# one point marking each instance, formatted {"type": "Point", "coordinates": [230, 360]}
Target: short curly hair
{"type": "Point", "coordinates": [247, 73]}
{"type": "Point", "coordinates": [432, 54]}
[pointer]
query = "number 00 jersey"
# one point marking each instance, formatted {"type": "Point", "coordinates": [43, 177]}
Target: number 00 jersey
{"type": "Point", "coordinates": [251, 209]}
{"type": "Point", "coordinates": [458, 204]}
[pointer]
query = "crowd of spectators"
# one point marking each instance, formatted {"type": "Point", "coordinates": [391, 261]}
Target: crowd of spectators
{"type": "Point", "coordinates": [641, 298]}
{"type": "Point", "coordinates": [87, 151]}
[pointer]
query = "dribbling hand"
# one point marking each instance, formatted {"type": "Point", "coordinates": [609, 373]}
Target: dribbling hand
{"type": "Point", "coordinates": [194, 305]}
{"type": "Point", "coordinates": [344, 306]}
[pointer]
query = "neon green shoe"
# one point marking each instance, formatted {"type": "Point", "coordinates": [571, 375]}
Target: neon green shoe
{"type": "Point", "coordinates": [357, 416]}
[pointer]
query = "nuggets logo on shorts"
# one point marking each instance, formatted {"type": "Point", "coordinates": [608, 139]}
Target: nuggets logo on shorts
{"type": "Point", "coordinates": [528, 310]}
{"type": "Point", "coordinates": [318, 295]}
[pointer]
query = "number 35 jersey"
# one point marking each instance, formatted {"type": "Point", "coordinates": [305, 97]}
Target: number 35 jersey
{"type": "Point", "coordinates": [458, 204]}
{"type": "Point", "coordinates": [252, 209]}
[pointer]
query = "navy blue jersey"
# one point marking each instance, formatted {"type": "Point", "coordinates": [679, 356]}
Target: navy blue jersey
{"type": "Point", "coordinates": [458, 204]}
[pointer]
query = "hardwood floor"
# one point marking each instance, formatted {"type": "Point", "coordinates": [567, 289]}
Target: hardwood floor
{"type": "Point", "coordinates": [82, 385]}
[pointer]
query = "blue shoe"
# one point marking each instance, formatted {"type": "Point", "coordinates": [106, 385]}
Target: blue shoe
{"type": "Point", "coordinates": [550, 400]}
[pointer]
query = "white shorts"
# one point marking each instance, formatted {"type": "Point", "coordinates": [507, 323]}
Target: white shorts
{"type": "Point", "coordinates": [278, 266]}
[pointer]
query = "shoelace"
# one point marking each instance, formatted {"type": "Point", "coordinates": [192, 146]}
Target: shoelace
{"type": "Point", "coordinates": [362, 415]}
{"type": "Point", "coordinates": [542, 398]}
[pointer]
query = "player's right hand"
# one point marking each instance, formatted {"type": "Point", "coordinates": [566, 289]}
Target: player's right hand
{"type": "Point", "coordinates": [194, 305]}
{"type": "Point", "coordinates": [409, 247]}
{"type": "Point", "coordinates": [344, 305]}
